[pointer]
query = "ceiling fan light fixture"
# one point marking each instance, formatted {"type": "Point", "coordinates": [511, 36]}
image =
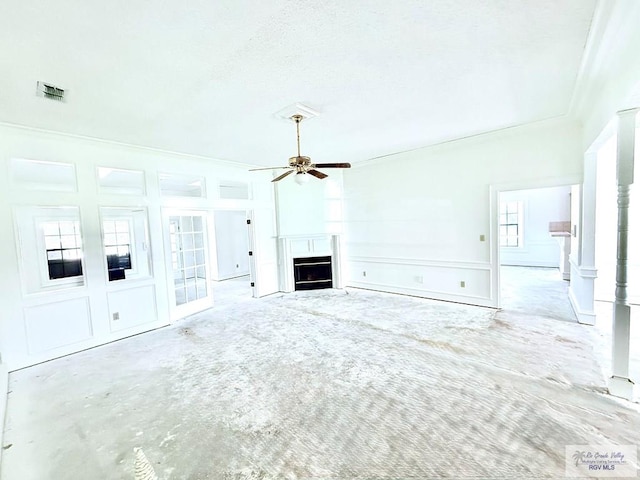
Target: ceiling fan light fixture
{"type": "Point", "coordinates": [301, 178]}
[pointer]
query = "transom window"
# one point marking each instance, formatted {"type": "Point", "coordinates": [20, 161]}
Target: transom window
{"type": "Point", "coordinates": [63, 245]}
{"type": "Point", "coordinates": [511, 224]}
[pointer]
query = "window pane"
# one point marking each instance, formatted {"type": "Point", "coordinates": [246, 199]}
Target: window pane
{"type": "Point", "coordinates": [110, 239]}
{"type": "Point", "coordinates": [71, 254]}
{"type": "Point", "coordinates": [51, 243]}
{"type": "Point", "coordinates": [68, 241]}
{"type": "Point", "coordinates": [512, 218]}
{"type": "Point", "coordinates": [512, 207]}
{"type": "Point", "coordinates": [503, 218]}
{"type": "Point", "coordinates": [122, 238]}
{"type": "Point", "coordinates": [512, 231]}
{"type": "Point", "coordinates": [109, 226]}
{"type": "Point", "coordinates": [73, 268]}
{"type": "Point", "coordinates": [188, 242]}
{"type": "Point", "coordinates": [51, 228]}
{"type": "Point", "coordinates": [503, 230]}
{"type": "Point", "coordinates": [54, 255]}
{"type": "Point", "coordinates": [122, 226]}
{"type": "Point", "coordinates": [67, 228]}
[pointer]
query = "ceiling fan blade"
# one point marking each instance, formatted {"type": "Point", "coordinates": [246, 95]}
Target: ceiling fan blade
{"type": "Point", "coordinates": [332, 165]}
{"type": "Point", "coordinates": [267, 168]}
{"type": "Point", "coordinates": [317, 174]}
{"type": "Point", "coordinates": [282, 176]}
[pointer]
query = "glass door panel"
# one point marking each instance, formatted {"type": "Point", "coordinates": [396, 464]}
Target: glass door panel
{"type": "Point", "coordinates": [188, 240]}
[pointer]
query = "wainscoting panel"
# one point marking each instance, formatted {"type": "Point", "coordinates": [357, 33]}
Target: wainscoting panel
{"type": "Point", "coordinates": [464, 282]}
{"type": "Point", "coordinates": [58, 324]}
{"type": "Point", "coordinates": [132, 307]}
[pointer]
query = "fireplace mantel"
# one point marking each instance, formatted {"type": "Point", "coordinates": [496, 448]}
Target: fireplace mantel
{"type": "Point", "coordinates": [301, 246]}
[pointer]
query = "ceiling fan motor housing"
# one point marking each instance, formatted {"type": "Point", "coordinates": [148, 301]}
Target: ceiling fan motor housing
{"type": "Point", "coordinates": [299, 162]}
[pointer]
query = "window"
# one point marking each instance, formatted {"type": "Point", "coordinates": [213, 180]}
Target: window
{"type": "Point", "coordinates": [43, 176]}
{"type": "Point", "coordinates": [511, 224]}
{"type": "Point", "coordinates": [125, 239]}
{"type": "Point", "coordinates": [117, 246]}
{"type": "Point", "coordinates": [233, 190]}
{"type": "Point", "coordinates": [174, 185]}
{"type": "Point", "coordinates": [63, 246]}
{"type": "Point", "coordinates": [117, 181]}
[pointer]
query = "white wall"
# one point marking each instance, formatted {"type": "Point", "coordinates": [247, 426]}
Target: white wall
{"type": "Point", "coordinates": [540, 206]}
{"type": "Point", "coordinates": [312, 208]}
{"type": "Point", "coordinates": [414, 220]}
{"type": "Point", "coordinates": [4, 390]}
{"type": "Point", "coordinates": [84, 314]}
{"type": "Point", "coordinates": [232, 244]}
{"type": "Point", "coordinates": [611, 79]}
{"type": "Point", "coordinates": [608, 83]}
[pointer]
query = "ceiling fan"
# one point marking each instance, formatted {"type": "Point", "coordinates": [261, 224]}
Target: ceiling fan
{"type": "Point", "coordinates": [302, 165]}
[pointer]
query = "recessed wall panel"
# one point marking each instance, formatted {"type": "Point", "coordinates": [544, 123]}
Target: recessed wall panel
{"type": "Point", "coordinates": [132, 307]}
{"type": "Point", "coordinates": [58, 324]}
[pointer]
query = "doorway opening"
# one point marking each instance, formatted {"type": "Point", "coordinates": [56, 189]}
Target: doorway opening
{"type": "Point", "coordinates": [231, 282]}
{"type": "Point", "coordinates": [534, 235]}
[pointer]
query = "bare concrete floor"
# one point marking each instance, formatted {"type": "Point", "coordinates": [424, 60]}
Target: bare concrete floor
{"type": "Point", "coordinates": [325, 384]}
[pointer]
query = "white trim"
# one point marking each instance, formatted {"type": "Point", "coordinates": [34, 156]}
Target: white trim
{"type": "Point", "coordinates": [584, 317]}
{"type": "Point", "coordinates": [122, 144]}
{"type": "Point", "coordinates": [4, 393]}
{"type": "Point", "coordinates": [494, 224]}
{"type": "Point", "coordinates": [592, 57]}
{"type": "Point", "coordinates": [423, 263]}
{"type": "Point", "coordinates": [430, 294]}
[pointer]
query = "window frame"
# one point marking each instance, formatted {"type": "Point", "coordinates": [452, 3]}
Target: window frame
{"type": "Point", "coordinates": [133, 260]}
{"type": "Point", "coordinates": [43, 259]}
{"type": "Point", "coordinates": [519, 223]}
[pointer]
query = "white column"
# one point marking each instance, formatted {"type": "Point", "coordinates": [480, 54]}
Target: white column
{"type": "Point", "coordinates": [620, 384]}
{"type": "Point", "coordinates": [583, 234]}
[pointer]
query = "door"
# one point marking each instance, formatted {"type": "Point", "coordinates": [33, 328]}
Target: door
{"type": "Point", "coordinates": [263, 251]}
{"type": "Point", "coordinates": [186, 242]}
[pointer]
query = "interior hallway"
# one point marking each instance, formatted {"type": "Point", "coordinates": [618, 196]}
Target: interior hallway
{"type": "Point", "coordinates": [321, 384]}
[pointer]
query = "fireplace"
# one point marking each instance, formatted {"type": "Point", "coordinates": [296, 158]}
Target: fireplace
{"type": "Point", "coordinates": [307, 262]}
{"type": "Point", "coordinates": [311, 273]}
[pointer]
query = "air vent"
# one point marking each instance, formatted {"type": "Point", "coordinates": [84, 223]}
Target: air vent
{"type": "Point", "coordinates": [49, 91]}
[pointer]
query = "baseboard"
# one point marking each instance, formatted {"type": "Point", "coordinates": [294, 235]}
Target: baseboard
{"type": "Point", "coordinates": [4, 389]}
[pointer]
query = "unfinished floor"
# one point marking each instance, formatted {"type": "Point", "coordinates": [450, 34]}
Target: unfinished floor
{"type": "Point", "coordinates": [338, 384]}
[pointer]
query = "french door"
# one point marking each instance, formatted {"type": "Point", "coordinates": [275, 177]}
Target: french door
{"type": "Point", "coordinates": [186, 242]}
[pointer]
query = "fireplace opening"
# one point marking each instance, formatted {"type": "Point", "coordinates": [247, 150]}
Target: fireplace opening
{"type": "Point", "coordinates": [312, 273]}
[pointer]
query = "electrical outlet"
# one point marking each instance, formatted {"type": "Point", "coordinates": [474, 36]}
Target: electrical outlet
{"type": "Point", "coordinates": [419, 279]}
{"type": "Point", "coordinates": [463, 284]}
{"type": "Point", "coordinates": [482, 238]}
{"type": "Point", "coordinates": [116, 316]}
{"type": "Point", "coordinates": [364, 274]}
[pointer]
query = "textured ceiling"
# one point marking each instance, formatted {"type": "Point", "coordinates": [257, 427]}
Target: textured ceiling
{"type": "Point", "coordinates": [206, 77]}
